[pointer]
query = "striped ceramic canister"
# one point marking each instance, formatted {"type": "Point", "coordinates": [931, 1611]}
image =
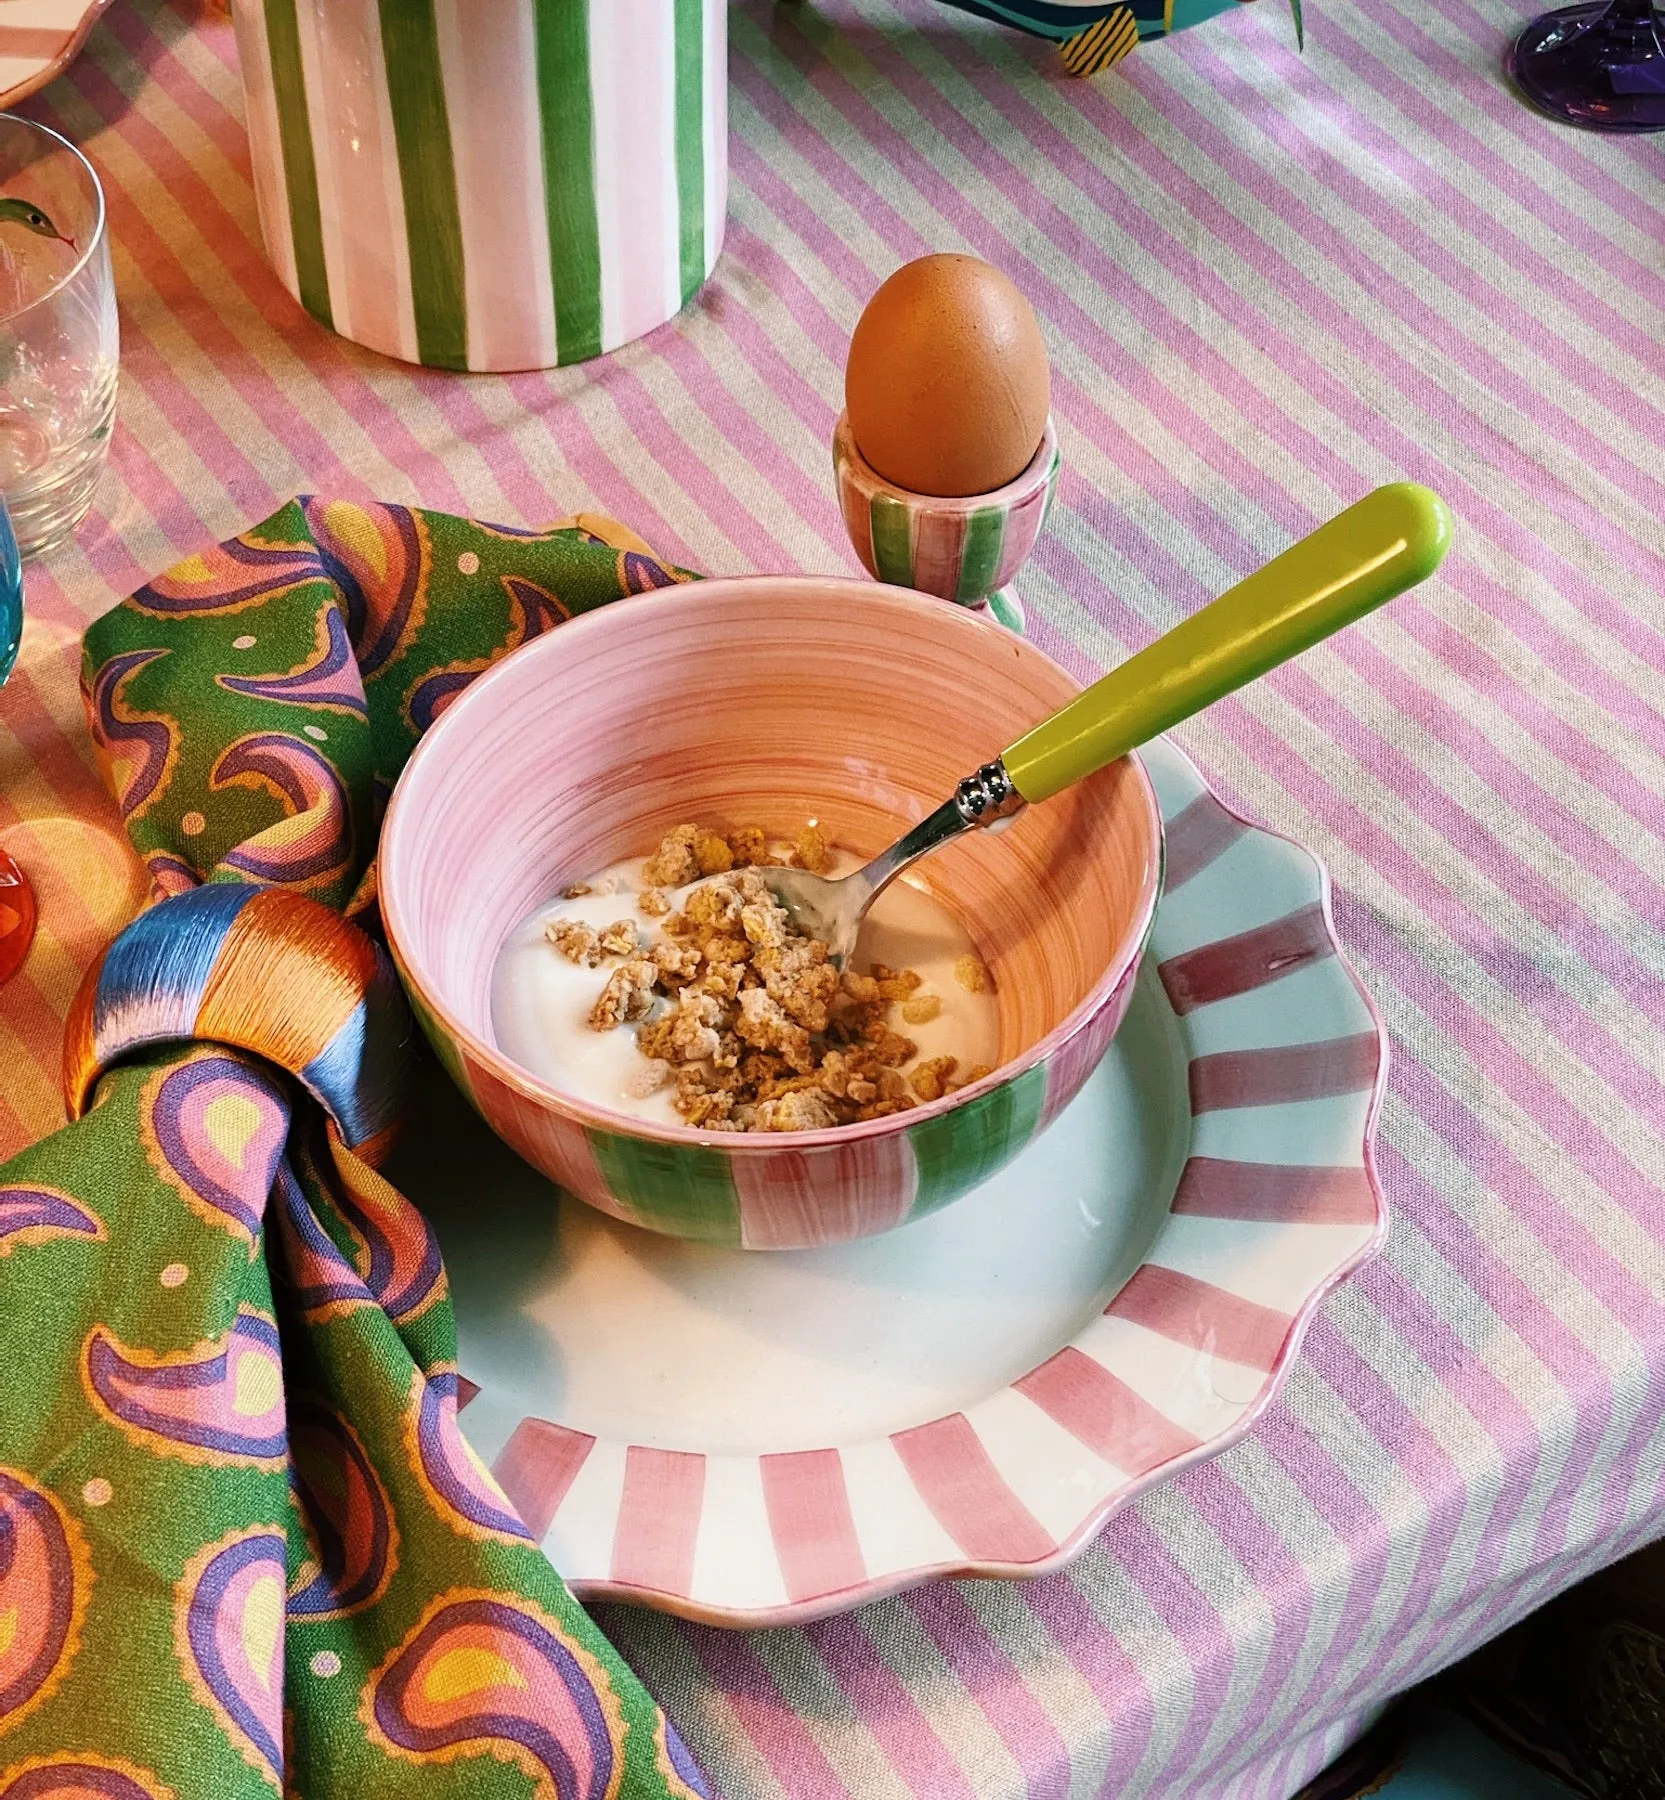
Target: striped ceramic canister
{"type": "Point", "coordinates": [489, 184]}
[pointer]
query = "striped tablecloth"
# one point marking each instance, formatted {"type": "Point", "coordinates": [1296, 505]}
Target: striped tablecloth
{"type": "Point", "coordinates": [1268, 282]}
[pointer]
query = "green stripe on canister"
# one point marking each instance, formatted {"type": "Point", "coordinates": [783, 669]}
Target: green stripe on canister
{"type": "Point", "coordinates": [690, 141]}
{"type": "Point", "coordinates": [985, 538]}
{"type": "Point", "coordinates": [686, 1190]}
{"type": "Point", "coordinates": [563, 40]}
{"type": "Point", "coordinates": [958, 1149]}
{"type": "Point", "coordinates": [433, 226]}
{"type": "Point", "coordinates": [300, 168]}
{"type": "Point", "coordinates": [892, 540]}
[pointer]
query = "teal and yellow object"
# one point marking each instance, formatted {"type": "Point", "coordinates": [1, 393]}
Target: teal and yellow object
{"type": "Point", "coordinates": [1092, 38]}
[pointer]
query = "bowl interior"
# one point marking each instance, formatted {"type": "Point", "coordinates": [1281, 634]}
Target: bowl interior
{"type": "Point", "coordinates": [766, 700]}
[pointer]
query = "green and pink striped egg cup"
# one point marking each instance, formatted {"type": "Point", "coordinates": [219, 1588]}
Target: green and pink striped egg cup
{"type": "Point", "coordinates": [968, 549]}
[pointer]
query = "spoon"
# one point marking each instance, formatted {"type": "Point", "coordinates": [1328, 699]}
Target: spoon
{"type": "Point", "coordinates": [1386, 542]}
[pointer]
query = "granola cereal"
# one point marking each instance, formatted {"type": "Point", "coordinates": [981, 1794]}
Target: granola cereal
{"type": "Point", "coordinates": [628, 994]}
{"type": "Point", "coordinates": [972, 973]}
{"type": "Point", "coordinates": [810, 850]}
{"type": "Point", "coordinates": [895, 984]}
{"type": "Point", "coordinates": [576, 941]}
{"type": "Point", "coordinates": [749, 846]}
{"type": "Point", "coordinates": [648, 1079]}
{"type": "Point", "coordinates": [674, 864]}
{"type": "Point", "coordinates": [930, 1079]}
{"type": "Point", "coordinates": [739, 1015]}
{"type": "Point", "coordinates": [619, 938]}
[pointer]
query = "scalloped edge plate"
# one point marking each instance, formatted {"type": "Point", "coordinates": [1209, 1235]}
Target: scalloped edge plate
{"type": "Point", "coordinates": [1273, 1200]}
{"type": "Point", "coordinates": [39, 39]}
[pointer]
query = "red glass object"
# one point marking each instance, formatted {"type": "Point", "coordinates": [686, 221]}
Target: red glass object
{"type": "Point", "coordinates": [17, 917]}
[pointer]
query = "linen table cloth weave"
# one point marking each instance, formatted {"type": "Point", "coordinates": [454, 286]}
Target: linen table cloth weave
{"type": "Point", "coordinates": [1268, 282]}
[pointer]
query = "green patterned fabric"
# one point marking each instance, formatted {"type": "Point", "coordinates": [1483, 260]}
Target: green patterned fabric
{"type": "Point", "coordinates": [244, 1548]}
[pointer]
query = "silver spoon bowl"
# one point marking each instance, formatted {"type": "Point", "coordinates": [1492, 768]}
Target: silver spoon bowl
{"type": "Point", "coordinates": [833, 908]}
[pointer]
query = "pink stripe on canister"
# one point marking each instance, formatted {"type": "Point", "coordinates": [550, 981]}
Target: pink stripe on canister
{"type": "Point", "coordinates": [1195, 836]}
{"type": "Point", "coordinates": [365, 248]}
{"type": "Point", "coordinates": [1251, 959]}
{"type": "Point", "coordinates": [1104, 1412]}
{"type": "Point", "coordinates": [715, 135]}
{"type": "Point", "coordinates": [1208, 1318]}
{"type": "Point", "coordinates": [659, 1519]}
{"type": "Point", "coordinates": [1294, 1193]}
{"type": "Point", "coordinates": [271, 191]}
{"type": "Point", "coordinates": [967, 1495]}
{"type": "Point", "coordinates": [799, 1198]}
{"type": "Point", "coordinates": [488, 52]}
{"type": "Point", "coordinates": [810, 1520]}
{"type": "Point", "coordinates": [633, 78]}
{"type": "Point", "coordinates": [1281, 1075]}
{"type": "Point", "coordinates": [537, 1466]}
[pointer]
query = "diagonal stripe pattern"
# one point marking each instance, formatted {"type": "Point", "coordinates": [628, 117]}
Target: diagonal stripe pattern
{"type": "Point", "coordinates": [1268, 283]}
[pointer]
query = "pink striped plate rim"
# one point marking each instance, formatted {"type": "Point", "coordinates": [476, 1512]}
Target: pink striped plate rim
{"type": "Point", "coordinates": [1276, 1200]}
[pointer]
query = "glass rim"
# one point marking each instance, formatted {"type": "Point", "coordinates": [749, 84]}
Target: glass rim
{"type": "Point", "coordinates": [94, 237]}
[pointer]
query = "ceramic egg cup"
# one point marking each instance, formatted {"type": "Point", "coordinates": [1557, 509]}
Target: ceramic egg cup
{"type": "Point", "coordinates": [967, 549]}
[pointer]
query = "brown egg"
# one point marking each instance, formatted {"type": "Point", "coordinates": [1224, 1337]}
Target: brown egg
{"type": "Point", "coordinates": [948, 386]}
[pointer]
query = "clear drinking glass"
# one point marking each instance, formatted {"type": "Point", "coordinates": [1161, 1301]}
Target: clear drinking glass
{"type": "Point", "coordinates": [58, 334]}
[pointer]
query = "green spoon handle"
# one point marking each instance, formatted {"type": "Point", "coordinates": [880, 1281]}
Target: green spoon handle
{"type": "Point", "coordinates": [1387, 542]}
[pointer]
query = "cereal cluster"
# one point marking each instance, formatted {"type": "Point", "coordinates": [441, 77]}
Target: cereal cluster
{"type": "Point", "coordinates": [744, 1013]}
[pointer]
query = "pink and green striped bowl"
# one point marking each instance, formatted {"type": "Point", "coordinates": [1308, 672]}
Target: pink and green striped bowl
{"type": "Point", "coordinates": [967, 549]}
{"type": "Point", "coordinates": [766, 699]}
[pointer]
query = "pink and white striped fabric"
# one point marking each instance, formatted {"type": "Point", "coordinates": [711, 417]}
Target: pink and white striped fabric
{"type": "Point", "coordinates": [1268, 283]}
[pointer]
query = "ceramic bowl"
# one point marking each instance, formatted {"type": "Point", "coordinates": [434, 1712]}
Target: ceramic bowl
{"type": "Point", "coordinates": [768, 699]}
{"type": "Point", "coordinates": [958, 549]}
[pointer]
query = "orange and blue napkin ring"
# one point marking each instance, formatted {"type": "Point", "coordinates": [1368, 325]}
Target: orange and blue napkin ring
{"type": "Point", "coordinates": [259, 969]}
